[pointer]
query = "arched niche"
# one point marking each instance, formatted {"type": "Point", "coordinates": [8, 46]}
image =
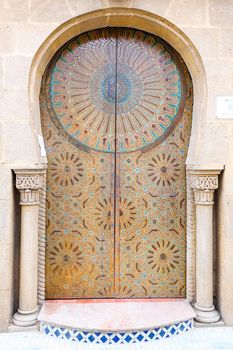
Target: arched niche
{"type": "Point", "coordinates": [151, 23]}
{"type": "Point", "coordinates": [123, 17]}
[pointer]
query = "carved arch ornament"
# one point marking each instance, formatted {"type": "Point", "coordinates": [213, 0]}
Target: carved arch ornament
{"type": "Point", "coordinates": [138, 19]}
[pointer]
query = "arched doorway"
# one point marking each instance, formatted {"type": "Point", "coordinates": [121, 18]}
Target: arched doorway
{"type": "Point", "coordinates": [116, 109]}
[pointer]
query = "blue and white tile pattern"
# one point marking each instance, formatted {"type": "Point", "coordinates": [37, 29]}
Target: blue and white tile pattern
{"type": "Point", "coordinates": [127, 337]}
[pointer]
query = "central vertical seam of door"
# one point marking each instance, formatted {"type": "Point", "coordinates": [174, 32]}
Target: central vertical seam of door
{"type": "Point", "coordinates": [115, 179]}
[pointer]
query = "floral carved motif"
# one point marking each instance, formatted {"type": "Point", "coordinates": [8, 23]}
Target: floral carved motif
{"type": "Point", "coordinates": [204, 196]}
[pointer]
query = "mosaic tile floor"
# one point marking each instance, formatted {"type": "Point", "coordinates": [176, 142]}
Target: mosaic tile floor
{"type": "Point", "coordinates": [220, 338]}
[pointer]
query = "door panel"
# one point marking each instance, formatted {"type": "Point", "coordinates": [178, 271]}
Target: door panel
{"type": "Point", "coordinates": [153, 128]}
{"type": "Point", "coordinates": [116, 110]}
{"type": "Point", "coordinates": [80, 179]}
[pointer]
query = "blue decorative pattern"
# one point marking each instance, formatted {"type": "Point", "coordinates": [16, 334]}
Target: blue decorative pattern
{"type": "Point", "coordinates": [114, 74]}
{"type": "Point", "coordinates": [124, 88]}
{"type": "Point", "coordinates": [127, 337]}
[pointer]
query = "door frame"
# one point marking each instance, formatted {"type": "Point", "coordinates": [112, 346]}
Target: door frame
{"type": "Point", "coordinates": [151, 23]}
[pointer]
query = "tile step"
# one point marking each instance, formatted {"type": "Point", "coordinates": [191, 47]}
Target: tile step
{"type": "Point", "coordinates": [115, 321]}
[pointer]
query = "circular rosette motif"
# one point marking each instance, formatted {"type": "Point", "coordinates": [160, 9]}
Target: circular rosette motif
{"type": "Point", "coordinates": [163, 169]}
{"type": "Point", "coordinates": [127, 213]}
{"type": "Point", "coordinates": [115, 90]}
{"type": "Point", "coordinates": [106, 292]}
{"type": "Point", "coordinates": [163, 256]}
{"type": "Point", "coordinates": [65, 257]}
{"type": "Point", "coordinates": [124, 291]}
{"type": "Point", "coordinates": [66, 169]}
{"type": "Point", "coordinates": [103, 213]}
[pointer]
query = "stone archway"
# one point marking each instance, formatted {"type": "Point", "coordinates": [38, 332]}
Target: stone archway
{"type": "Point", "coordinates": [153, 24]}
{"type": "Point", "coordinates": [150, 23]}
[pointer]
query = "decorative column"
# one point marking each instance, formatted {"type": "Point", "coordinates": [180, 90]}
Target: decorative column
{"type": "Point", "coordinates": [28, 182]}
{"type": "Point", "coordinates": [204, 182]}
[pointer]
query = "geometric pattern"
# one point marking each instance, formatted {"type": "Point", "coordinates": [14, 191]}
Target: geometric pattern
{"type": "Point", "coordinates": [123, 72]}
{"type": "Point", "coordinates": [124, 337]}
{"type": "Point", "coordinates": [116, 191]}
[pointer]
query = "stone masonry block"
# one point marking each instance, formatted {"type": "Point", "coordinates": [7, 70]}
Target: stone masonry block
{"type": "Point", "coordinates": [14, 105]}
{"type": "Point", "coordinates": [156, 6]}
{"type": "Point", "coordinates": [205, 40]}
{"type": "Point", "coordinates": [49, 11]}
{"type": "Point", "coordinates": [7, 38]}
{"type": "Point", "coordinates": [6, 267]}
{"type": "Point", "coordinates": [226, 42]}
{"type": "Point", "coordinates": [6, 309]}
{"type": "Point", "coordinates": [79, 7]}
{"type": "Point", "coordinates": [217, 81]}
{"type": "Point", "coordinates": [2, 143]}
{"type": "Point", "coordinates": [220, 134]}
{"type": "Point", "coordinates": [31, 36]}
{"type": "Point", "coordinates": [16, 72]}
{"type": "Point", "coordinates": [6, 184]}
{"type": "Point", "coordinates": [13, 10]}
{"type": "Point", "coordinates": [20, 144]}
{"type": "Point", "coordinates": [221, 13]}
{"type": "Point", "coordinates": [7, 220]}
{"type": "Point", "coordinates": [1, 72]}
{"type": "Point", "coordinates": [187, 12]}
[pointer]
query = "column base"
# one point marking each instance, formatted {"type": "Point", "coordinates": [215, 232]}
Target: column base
{"type": "Point", "coordinates": [13, 328]}
{"type": "Point", "coordinates": [25, 319]}
{"type": "Point", "coordinates": [206, 315]}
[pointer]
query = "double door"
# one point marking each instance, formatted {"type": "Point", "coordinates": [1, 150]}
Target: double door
{"type": "Point", "coordinates": [116, 114]}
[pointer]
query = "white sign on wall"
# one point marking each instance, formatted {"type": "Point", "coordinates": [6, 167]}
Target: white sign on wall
{"type": "Point", "coordinates": [225, 107]}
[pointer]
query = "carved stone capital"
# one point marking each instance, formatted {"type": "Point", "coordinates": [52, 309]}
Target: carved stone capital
{"type": "Point", "coordinates": [204, 197]}
{"type": "Point", "coordinates": [29, 182]}
{"type": "Point", "coordinates": [204, 187]}
{"type": "Point", "coordinates": [29, 197]}
{"type": "Point", "coordinates": [204, 181]}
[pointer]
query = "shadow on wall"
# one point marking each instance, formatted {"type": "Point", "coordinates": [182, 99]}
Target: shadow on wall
{"type": "Point", "coordinates": [16, 240]}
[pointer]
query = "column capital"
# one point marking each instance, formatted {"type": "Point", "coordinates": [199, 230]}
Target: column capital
{"type": "Point", "coordinates": [28, 182]}
{"type": "Point", "coordinates": [204, 181]}
{"type": "Point", "coordinates": [204, 187]}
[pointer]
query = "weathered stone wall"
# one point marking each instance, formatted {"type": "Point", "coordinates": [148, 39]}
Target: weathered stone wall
{"type": "Point", "coordinates": [25, 24]}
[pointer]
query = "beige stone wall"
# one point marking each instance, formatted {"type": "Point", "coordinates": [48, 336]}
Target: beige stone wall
{"type": "Point", "coordinates": [25, 24]}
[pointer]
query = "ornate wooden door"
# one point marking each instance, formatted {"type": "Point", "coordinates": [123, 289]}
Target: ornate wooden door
{"type": "Point", "coordinates": [116, 110]}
